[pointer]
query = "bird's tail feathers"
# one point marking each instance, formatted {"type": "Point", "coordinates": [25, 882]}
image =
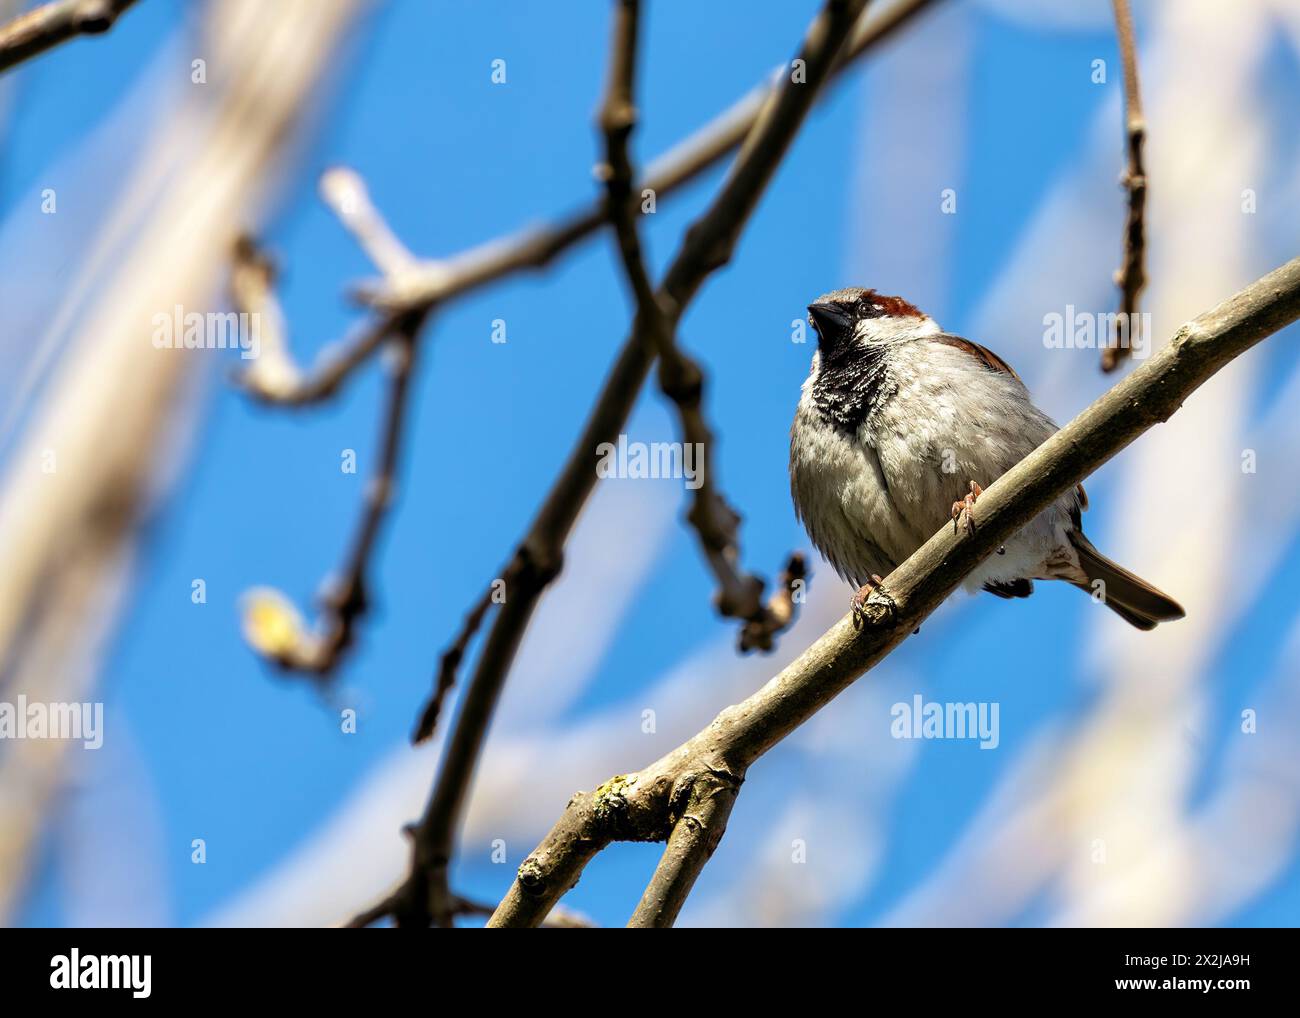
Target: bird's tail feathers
{"type": "Point", "coordinates": [1129, 596]}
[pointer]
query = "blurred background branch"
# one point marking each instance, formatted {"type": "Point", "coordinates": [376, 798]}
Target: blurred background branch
{"type": "Point", "coordinates": [271, 623]}
{"type": "Point", "coordinates": [1131, 276]}
{"type": "Point", "coordinates": [716, 524]}
{"type": "Point", "coordinates": [79, 487]}
{"type": "Point", "coordinates": [50, 24]}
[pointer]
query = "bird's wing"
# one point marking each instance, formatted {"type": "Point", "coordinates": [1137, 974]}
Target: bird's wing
{"type": "Point", "coordinates": [981, 353]}
{"type": "Point", "coordinates": [995, 363]}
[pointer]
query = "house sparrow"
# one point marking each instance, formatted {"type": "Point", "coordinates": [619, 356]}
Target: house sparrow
{"type": "Point", "coordinates": [898, 425]}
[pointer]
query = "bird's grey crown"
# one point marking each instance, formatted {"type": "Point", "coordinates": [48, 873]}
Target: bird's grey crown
{"type": "Point", "coordinates": [864, 303]}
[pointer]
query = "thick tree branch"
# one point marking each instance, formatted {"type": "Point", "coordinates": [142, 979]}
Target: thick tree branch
{"type": "Point", "coordinates": [649, 804]}
{"type": "Point", "coordinates": [690, 845]}
{"type": "Point", "coordinates": [538, 559]}
{"type": "Point", "coordinates": [1131, 276]}
{"type": "Point", "coordinates": [47, 26]}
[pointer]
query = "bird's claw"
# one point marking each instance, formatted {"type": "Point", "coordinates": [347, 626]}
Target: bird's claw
{"type": "Point", "coordinates": [963, 511]}
{"type": "Point", "coordinates": [858, 605]}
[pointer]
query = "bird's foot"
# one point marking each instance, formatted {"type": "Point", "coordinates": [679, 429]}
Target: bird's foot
{"type": "Point", "coordinates": [963, 511]}
{"type": "Point", "coordinates": [858, 604]}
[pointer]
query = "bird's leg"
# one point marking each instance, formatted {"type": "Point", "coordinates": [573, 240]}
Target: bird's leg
{"type": "Point", "coordinates": [858, 604]}
{"type": "Point", "coordinates": [963, 512]}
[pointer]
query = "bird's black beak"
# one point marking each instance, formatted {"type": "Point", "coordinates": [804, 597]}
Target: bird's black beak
{"type": "Point", "coordinates": [833, 323]}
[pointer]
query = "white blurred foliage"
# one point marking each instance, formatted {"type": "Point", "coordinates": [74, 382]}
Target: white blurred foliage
{"type": "Point", "coordinates": [109, 837]}
{"type": "Point", "coordinates": [1058, 15]}
{"type": "Point", "coordinates": [106, 404]}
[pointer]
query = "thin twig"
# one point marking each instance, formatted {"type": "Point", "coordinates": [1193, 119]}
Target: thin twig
{"type": "Point", "coordinates": [781, 606]}
{"type": "Point", "coordinates": [293, 388]}
{"type": "Point", "coordinates": [47, 26]}
{"type": "Point", "coordinates": [716, 524]}
{"type": "Point", "coordinates": [450, 662]}
{"type": "Point", "coordinates": [273, 377]}
{"type": "Point", "coordinates": [344, 600]}
{"type": "Point", "coordinates": [1131, 276]}
{"type": "Point", "coordinates": [538, 559]}
{"type": "Point", "coordinates": [347, 599]}
{"type": "Point", "coordinates": [345, 192]}
{"type": "Point", "coordinates": [270, 621]}
{"type": "Point", "coordinates": [646, 805]}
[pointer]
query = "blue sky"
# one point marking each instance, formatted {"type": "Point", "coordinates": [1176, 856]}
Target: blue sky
{"type": "Point", "coordinates": [253, 763]}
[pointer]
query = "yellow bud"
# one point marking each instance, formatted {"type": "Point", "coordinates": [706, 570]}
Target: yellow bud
{"type": "Point", "coordinates": [272, 625]}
